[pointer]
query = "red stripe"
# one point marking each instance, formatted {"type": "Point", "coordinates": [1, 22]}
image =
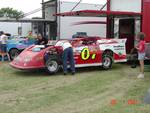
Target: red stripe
{"type": "Point", "coordinates": [90, 22]}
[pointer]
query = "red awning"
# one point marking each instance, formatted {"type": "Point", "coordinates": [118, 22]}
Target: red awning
{"type": "Point", "coordinates": [97, 13]}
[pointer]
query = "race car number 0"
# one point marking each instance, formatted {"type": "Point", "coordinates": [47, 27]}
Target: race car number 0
{"type": "Point", "coordinates": [85, 54]}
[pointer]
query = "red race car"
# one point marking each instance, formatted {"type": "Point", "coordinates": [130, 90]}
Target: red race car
{"type": "Point", "coordinates": [91, 51]}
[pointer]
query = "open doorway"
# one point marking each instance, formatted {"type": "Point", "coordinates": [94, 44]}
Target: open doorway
{"type": "Point", "coordinates": [53, 31]}
{"type": "Point", "coordinates": [127, 30]}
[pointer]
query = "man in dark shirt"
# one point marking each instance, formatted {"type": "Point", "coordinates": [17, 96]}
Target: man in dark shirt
{"type": "Point", "coordinates": [41, 40]}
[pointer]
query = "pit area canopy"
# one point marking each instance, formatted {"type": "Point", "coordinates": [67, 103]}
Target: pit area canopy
{"type": "Point", "coordinates": [99, 13]}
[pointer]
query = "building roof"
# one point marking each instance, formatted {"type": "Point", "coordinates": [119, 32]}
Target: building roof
{"type": "Point", "coordinates": [24, 20]}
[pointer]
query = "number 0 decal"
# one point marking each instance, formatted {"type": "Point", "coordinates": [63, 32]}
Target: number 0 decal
{"type": "Point", "coordinates": [85, 54]}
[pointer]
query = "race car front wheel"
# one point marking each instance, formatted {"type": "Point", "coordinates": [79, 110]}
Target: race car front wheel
{"type": "Point", "coordinates": [107, 62]}
{"type": "Point", "coordinates": [14, 53]}
{"type": "Point", "coordinates": [52, 66]}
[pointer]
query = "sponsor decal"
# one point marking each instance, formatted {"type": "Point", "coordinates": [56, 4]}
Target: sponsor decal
{"type": "Point", "coordinates": [118, 47]}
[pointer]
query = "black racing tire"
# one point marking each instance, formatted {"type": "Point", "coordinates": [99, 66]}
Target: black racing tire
{"type": "Point", "coordinates": [52, 66]}
{"type": "Point", "coordinates": [107, 62]}
{"type": "Point", "coordinates": [13, 53]}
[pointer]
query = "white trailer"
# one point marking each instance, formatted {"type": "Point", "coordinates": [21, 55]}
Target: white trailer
{"type": "Point", "coordinates": [125, 18]}
{"type": "Point", "coordinates": [66, 27]}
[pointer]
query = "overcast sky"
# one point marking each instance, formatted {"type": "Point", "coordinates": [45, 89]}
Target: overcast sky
{"type": "Point", "coordinates": [30, 5]}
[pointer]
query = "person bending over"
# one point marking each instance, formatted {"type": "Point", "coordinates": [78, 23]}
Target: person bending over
{"type": "Point", "coordinates": [67, 56]}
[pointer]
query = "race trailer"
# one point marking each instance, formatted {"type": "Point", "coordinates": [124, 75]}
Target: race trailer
{"type": "Point", "coordinates": [125, 18]}
{"type": "Point", "coordinates": [65, 27]}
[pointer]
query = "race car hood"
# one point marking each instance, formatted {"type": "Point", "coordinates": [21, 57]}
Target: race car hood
{"type": "Point", "coordinates": [30, 58]}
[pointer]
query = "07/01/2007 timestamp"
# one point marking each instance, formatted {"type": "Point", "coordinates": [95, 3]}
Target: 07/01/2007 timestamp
{"type": "Point", "coordinates": [128, 102]}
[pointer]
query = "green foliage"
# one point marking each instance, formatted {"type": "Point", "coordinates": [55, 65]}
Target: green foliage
{"type": "Point", "coordinates": [11, 13]}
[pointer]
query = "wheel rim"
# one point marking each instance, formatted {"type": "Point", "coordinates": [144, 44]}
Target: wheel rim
{"type": "Point", "coordinates": [106, 62]}
{"type": "Point", "coordinates": [14, 54]}
{"type": "Point", "coordinates": [52, 66]}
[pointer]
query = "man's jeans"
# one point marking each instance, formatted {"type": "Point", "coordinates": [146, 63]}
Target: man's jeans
{"type": "Point", "coordinates": [68, 56]}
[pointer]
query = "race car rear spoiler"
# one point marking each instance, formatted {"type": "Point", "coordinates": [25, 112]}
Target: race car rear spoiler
{"type": "Point", "coordinates": [105, 40]}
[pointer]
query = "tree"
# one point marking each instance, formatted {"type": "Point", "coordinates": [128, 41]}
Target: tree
{"type": "Point", "coordinates": [11, 13]}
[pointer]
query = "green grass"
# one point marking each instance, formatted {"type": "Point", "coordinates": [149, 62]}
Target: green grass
{"type": "Point", "coordinates": [91, 90]}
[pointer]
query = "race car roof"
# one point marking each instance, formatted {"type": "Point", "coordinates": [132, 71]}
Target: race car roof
{"type": "Point", "coordinates": [99, 13]}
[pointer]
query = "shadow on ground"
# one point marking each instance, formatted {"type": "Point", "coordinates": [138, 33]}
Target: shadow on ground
{"type": "Point", "coordinates": [43, 72]}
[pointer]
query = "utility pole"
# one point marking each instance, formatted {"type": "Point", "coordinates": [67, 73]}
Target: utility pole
{"type": "Point", "coordinates": [43, 16]}
{"type": "Point", "coordinates": [43, 9]}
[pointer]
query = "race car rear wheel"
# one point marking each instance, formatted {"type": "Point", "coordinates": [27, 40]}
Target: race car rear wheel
{"type": "Point", "coordinates": [14, 53]}
{"type": "Point", "coordinates": [52, 66]}
{"type": "Point", "coordinates": [107, 62]}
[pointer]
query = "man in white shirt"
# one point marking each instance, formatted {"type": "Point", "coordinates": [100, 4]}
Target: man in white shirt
{"type": "Point", "coordinates": [67, 55]}
{"type": "Point", "coordinates": [3, 40]}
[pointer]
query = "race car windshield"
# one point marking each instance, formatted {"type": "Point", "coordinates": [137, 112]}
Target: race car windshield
{"type": "Point", "coordinates": [52, 42]}
{"type": "Point", "coordinates": [38, 48]}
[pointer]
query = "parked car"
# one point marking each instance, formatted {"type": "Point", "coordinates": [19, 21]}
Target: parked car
{"type": "Point", "coordinates": [91, 51]}
{"type": "Point", "coordinates": [16, 44]}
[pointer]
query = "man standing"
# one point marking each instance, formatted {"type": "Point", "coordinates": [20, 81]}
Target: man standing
{"type": "Point", "coordinates": [67, 56]}
{"type": "Point", "coordinates": [30, 36]}
{"type": "Point", "coordinates": [3, 40]}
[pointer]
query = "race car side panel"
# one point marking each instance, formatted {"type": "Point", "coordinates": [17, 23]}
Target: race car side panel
{"type": "Point", "coordinates": [118, 49]}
